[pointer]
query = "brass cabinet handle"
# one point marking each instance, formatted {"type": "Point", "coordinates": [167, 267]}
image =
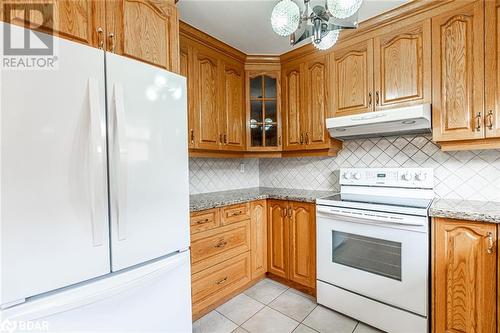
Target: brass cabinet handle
{"type": "Point", "coordinates": [284, 213]}
{"type": "Point", "coordinates": [192, 136]}
{"type": "Point", "coordinates": [490, 242]}
{"type": "Point", "coordinates": [225, 138]}
{"type": "Point", "coordinates": [221, 244]}
{"type": "Point", "coordinates": [377, 98]}
{"type": "Point", "coordinates": [112, 42]}
{"type": "Point", "coordinates": [100, 33]}
{"type": "Point", "coordinates": [220, 138]}
{"type": "Point", "coordinates": [370, 99]}
{"type": "Point", "coordinates": [290, 212]}
{"type": "Point", "coordinates": [490, 119]}
{"type": "Point", "coordinates": [279, 140]}
{"type": "Point", "coordinates": [221, 281]}
{"type": "Point", "coordinates": [237, 213]}
{"type": "Point", "coordinates": [301, 138]}
{"type": "Point", "coordinates": [478, 122]}
{"type": "Point", "coordinates": [202, 221]}
{"type": "Point", "coordinates": [307, 138]}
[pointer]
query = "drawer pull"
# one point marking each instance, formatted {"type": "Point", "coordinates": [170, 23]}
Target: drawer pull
{"type": "Point", "coordinates": [202, 221]}
{"type": "Point", "coordinates": [237, 213]}
{"type": "Point", "coordinates": [221, 281]}
{"type": "Point", "coordinates": [221, 244]}
{"type": "Point", "coordinates": [490, 242]}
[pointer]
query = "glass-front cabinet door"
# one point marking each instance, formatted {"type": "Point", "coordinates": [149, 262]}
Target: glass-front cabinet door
{"type": "Point", "coordinates": [263, 114]}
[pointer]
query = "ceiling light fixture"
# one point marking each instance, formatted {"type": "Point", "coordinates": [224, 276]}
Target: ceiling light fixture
{"type": "Point", "coordinates": [321, 23]}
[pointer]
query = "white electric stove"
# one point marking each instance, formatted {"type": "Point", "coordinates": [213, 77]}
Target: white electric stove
{"type": "Point", "coordinates": [373, 247]}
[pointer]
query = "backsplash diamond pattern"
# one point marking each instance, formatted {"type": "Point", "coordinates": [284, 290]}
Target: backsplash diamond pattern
{"type": "Point", "coordinates": [212, 174]}
{"type": "Point", "coordinates": [473, 175]}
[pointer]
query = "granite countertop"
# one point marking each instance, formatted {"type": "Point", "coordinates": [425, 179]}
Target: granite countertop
{"type": "Point", "coordinates": [209, 200]}
{"type": "Point", "coordinates": [480, 211]}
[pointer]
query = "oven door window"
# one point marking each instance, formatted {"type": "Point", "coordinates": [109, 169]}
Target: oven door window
{"type": "Point", "coordinates": [373, 255]}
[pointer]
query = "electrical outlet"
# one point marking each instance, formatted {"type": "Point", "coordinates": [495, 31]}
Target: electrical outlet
{"type": "Point", "coordinates": [242, 167]}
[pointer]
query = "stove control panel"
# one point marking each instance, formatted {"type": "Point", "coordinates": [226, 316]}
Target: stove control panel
{"type": "Point", "coordinates": [389, 177]}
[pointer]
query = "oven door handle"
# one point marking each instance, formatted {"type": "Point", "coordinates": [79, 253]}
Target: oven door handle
{"type": "Point", "coordinates": [366, 217]}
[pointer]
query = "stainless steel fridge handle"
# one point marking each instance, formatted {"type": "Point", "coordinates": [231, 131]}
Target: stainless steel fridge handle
{"type": "Point", "coordinates": [95, 158]}
{"type": "Point", "coordinates": [121, 160]}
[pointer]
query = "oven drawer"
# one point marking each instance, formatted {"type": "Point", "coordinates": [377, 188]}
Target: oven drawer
{"type": "Point", "coordinates": [386, 264]}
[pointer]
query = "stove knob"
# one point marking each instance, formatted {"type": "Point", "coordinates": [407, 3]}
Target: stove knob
{"type": "Point", "coordinates": [421, 176]}
{"type": "Point", "coordinates": [347, 175]}
{"type": "Point", "coordinates": [357, 176]}
{"type": "Point", "coordinates": [407, 176]}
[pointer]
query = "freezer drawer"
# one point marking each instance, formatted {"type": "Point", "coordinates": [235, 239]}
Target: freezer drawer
{"type": "Point", "coordinates": [152, 298]}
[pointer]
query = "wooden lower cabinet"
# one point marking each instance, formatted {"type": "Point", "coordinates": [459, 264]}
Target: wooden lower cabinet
{"type": "Point", "coordinates": [228, 253]}
{"type": "Point", "coordinates": [292, 242]}
{"type": "Point", "coordinates": [464, 282]}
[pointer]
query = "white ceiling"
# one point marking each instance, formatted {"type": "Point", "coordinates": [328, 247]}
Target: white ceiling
{"type": "Point", "coordinates": [246, 24]}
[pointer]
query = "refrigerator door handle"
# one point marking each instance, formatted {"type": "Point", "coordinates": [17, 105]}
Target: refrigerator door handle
{"type": "Point", "coordinates": [96, 152]}
{"type": "Point", "coordinates": [121, 160]}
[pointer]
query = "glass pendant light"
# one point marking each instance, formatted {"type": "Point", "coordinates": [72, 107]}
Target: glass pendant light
{"type": "Point", "coordinates": [328, 40]}
{"type": "Point", "coordinates": [343, 8]}
{"type": "Point", "coordinates": [285, 17]}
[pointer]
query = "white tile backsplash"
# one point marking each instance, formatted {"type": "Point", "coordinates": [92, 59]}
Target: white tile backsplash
{"type": "Point", "coordinates": [471, 175]}
{"type": "Point", "coordinates": [214, 174]}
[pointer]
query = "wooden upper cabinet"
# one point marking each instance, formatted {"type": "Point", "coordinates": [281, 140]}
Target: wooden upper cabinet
{"type": "Point", "coordinates": [146, 30]}
{"type": "Point", "coordinates": [318, 102]}
{"type": "Point", "coordinates": [293, 108]}
{"type": "Point", "coordinates": [233, 101]}
{"type": "Point", "coordinates": [302, 233]}
{"type": "Point", "coordinates": [465, 274]}
{"type": "Point", "coordinates": [352, 73]}
{"type": "Point", "coordinates": [458, 73]}
{"type": "Point", "coordinates": [402, 66]}
{"type": "Point", "coordinates": [206, 100]}
{"type": "Point", "coordinates": [277, 233]}
{"type": "Point", "coordinates": [78, 21]}
{"type": "Point", "coordinates": [258, 234]}
{"type": "Point", "coordinates": [492, 107]}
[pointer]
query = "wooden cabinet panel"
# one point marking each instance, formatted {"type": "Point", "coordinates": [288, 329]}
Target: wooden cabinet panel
{"type": "Point", "coordinates": [212, 246]}
{"type": "Point", "coordinates": [77, 20]}
{"type": "Point", "coordinates": [204, 220]}
{"type": "Point", "coordinates": [258, 227]}
{"type": "Point", "coordinates": [277, 233]}
{"type": "Point", "coordinates": [293, 106]}
{"type": "Point", "coordinates": [186, 69]}
{"type": "Point", "coordinates": [302, 235]}
{"type": "Point", "coordinates": [458, 73]}
{"type": "Point", "coordinates": [146, 30]}
{"type": "Point", "coordinates": [234, 114]}
{"type": "Point", "coordinates": [317, 92]}
{"type": "Point", "coordinates": [219, 281]}
{"type": "Point", "coordinates": [352, 71]}
{"type": "Point", "coordinates": [403, 66]}
{"type": "Point", "coordinates": [492, 107]}
{"type": "Point", "coordinates": [235, 213]}
{"type": "Point", "coordinates": [465, 273]}
{"type": "Point", "coordinates": [206, 95]}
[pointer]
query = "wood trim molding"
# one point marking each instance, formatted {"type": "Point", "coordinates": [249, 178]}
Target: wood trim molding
{"type": "Point", "coordinates": [489, 143]}
{"type": "Point", "coordinates": [199, 36]}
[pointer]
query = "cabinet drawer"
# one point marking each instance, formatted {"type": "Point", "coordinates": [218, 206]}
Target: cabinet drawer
{"type": "Point", "coordinates": [213, 246]}
{"type": "Point", "coordinates": [204, 220]}
{"type": "Point", "coordinates": [235, 213]}
{"type": "Point", "coordinates": [216, 282]}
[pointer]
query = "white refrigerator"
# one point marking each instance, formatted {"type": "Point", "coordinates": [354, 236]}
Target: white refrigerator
{"type": "Point", "coordinates": [94, 195]}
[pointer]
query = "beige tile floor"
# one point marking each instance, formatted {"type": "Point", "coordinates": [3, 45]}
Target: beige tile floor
{"type": "Point", "coordinates": [269, 307]}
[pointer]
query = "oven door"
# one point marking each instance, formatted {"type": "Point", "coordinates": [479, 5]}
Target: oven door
{"type": "Point", "coordinates": [381, 256]}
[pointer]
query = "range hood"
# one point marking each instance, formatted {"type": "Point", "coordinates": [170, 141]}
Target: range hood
{"type": "Point", "coordinates": [407, 120]}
